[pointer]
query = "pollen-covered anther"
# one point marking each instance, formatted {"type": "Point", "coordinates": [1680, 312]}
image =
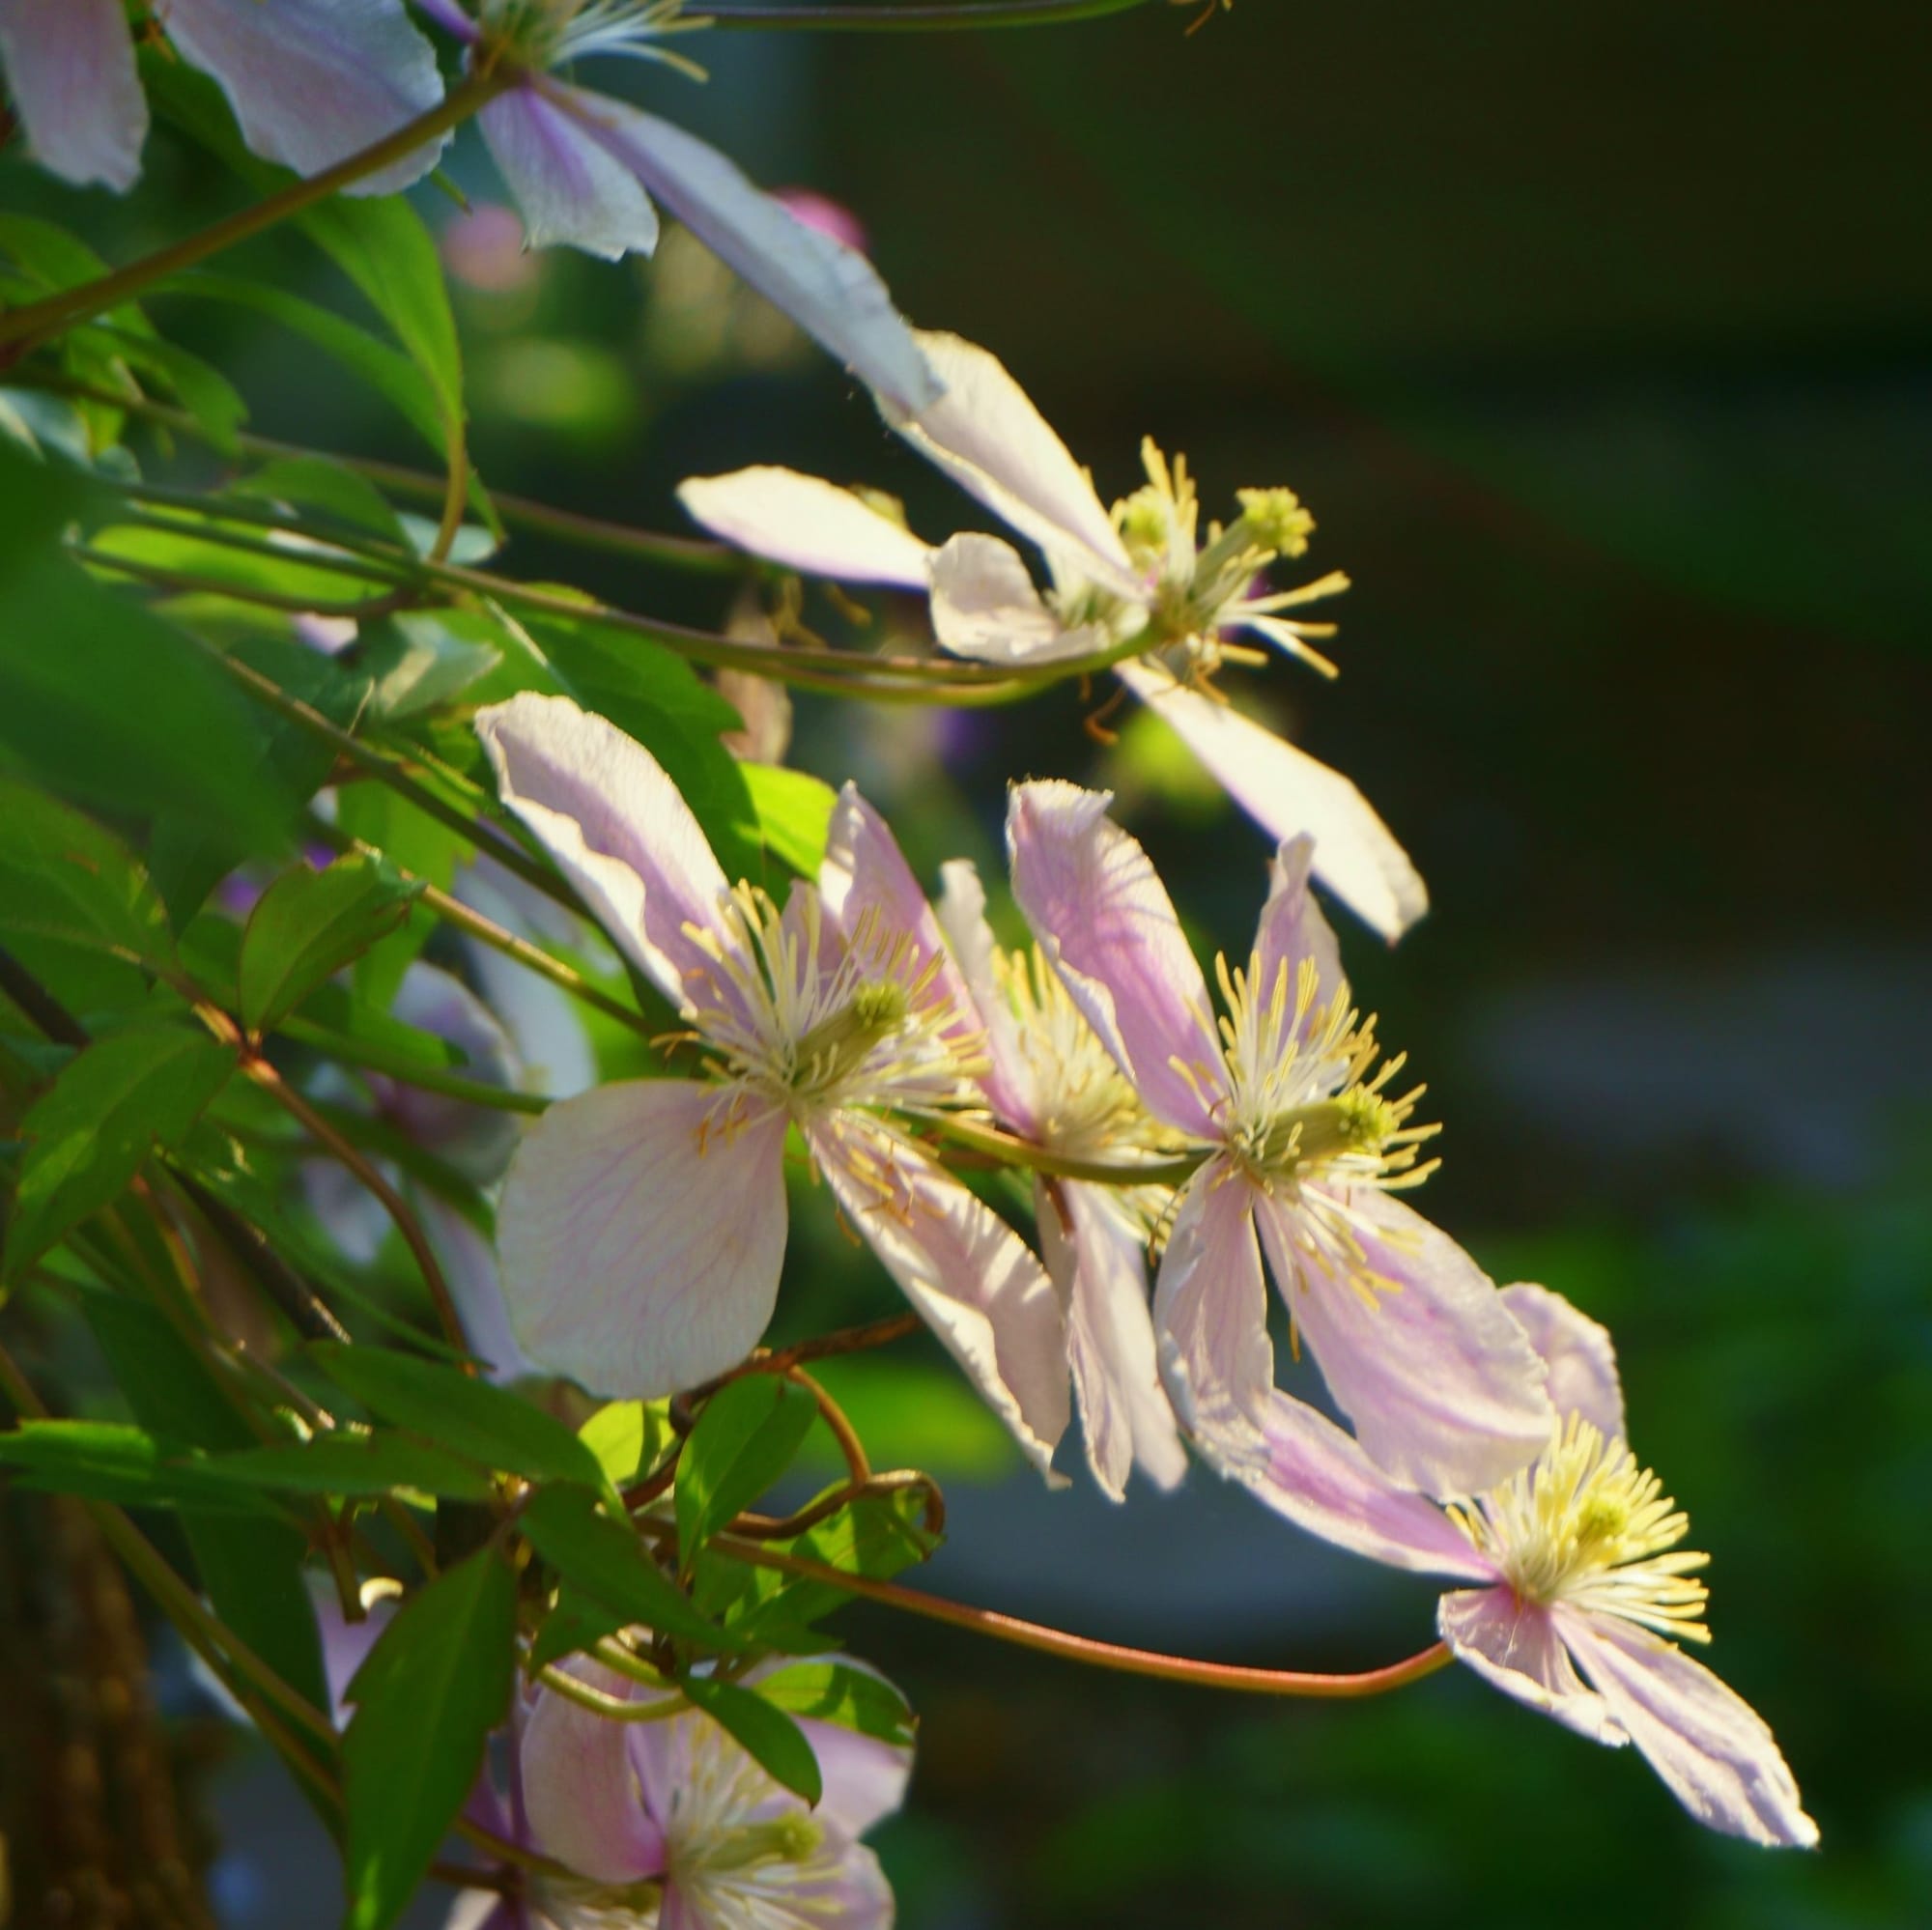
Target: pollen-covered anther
{"type": "Point", "coordinates": [1275, 519]}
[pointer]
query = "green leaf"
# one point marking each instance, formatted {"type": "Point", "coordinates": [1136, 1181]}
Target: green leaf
{"type": "Point", "coordinates": [110, 1461]}
{"type": "Point", "coordinates": [110, 1107]}
{"type": "Point", "coordinates": [766, 1734]}
{"type": "Point", "coordinates": [184, 552]}
{"type": "Point", "coordinates": [854, 1698]}
{"type": "Point", "coordinates": [608, 1564]}
{"type": "Point", "coordinates": [793, 814]}
{"type": "Point", "coordinates": [204, 391]}
{"type": "Point", "coordinates": [420, 661]}
{"type": "Point", "coordinates": [485, 1423]}
{"type": "Point", "coordinates": [308, 924]}
{"type": "Point", "coordinates": [628, 1438]}
{"type": "Point", "coordinates": [319, 484]}
{"type": "Point", "coordinates": [744, 1441]}
{"type": "Point", "coordinates": [62, 878]}
{"type": "Point", "coordinates": [353, 1463]}
{"type": "Point", "coordinates": [575, 1623]}
{"type": "Point", "coordinates": [433, 1687]}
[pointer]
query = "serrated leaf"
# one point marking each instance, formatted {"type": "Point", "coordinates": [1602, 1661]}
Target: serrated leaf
{"type": "Point", "coordinates": [62, 878]}
{"type": "Point", "coordinates": [308, 924]}
{"type": "Point", "coordinates": [433, 1687]}
{"type": "Point", "coordinates": [765, 1733]}
{"type": "Point", "coordinates": [113, 1460]}
{"type": "Point", "coordinates": [353, 1463]}
{"type": "Point", "coordinates": [744, 1441]}
{"type": "Point", "coordinates": [792, 811]}
{"type": "Point", "coordinates": [830, 1691]}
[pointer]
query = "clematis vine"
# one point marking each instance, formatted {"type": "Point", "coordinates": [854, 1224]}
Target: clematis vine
{"type": "Point", "coordinates": [1143, 587]}
{"type": "Point", "coordinates": [1572, 1564]}
{"type": "Point", "coordinates": [311, 81]}
{"type": "Point", "coordinates": [1306, 1151]}
{"type": "Point", "coordinates": [1051, 1082]}
{"type": "Point", "coordinates": [643, 1225]}
{"type": "Point", "coordinates": [590, 171]}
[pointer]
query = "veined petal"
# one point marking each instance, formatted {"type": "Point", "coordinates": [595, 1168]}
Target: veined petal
{"type": "Point", "coordinates": [809, 524]}
{"type": "Point", "coordinates": [1445, 1392]}
{"type": "Point", "coordinates": [579, 1789]}
{"type": "Point", "coordinates": [567, 187]}
{"type": "Point", "coordinates": [831, 291]}
{"type": "Point", "coordinates": [986, 606]}
{"type": "Point", "coordinates": [1010, 1082]}
{"type": "Point", "coordinates": [1579, 1354]}
{"type": "Point", "coordinates": [986, 435]}
{"type": "Point", "coordinates": [1096, 1259]}
{"type": "Point", "coordinates": [315, 81]}
{"type": "Point", "coordinates": [1210, 1313]}
{"type": "Point", "coordinates": [1287, 792]}
{"type": "Point", "coordinates": [1514, 1646]}
{"type": "Point", "coordinates": [641, 1231]}
{"type": "Point", "coordinates": [1105, 921]}
{"type": "Point", "coordinates": [70, 70]}
{"type": "Point", "coordinates": [615, 823]}
{"type": "Point", "coordinates": [1709, 1745]}
{"type": "Point", "coordinates": [1291, 927]}
{"type": "Point", "coordinates": [966, 1272]}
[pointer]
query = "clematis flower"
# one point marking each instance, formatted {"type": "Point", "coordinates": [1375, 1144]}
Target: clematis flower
{"type": "Point", "coordinates": [592, 171]}
{"type": "Point", "coordinates": [643, 1225]}
{"type": "Point", "coordinates": [1140, 576]}
{"type": "Point", "coordinates": [1053, 1082]}
{"type": "Point", "coordinates": [1572, 1564]}
{"type": "Point", "coordinates": [311, 81]}
{"type": "Point", "coordinates": [1306, 1151]}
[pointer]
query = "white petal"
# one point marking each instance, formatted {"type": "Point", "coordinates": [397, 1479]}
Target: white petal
{"type": "Point", "coordinates": [1010, 1082]}
{"type": "Point", "coordinates": [1291, 927]}
{"type": "Point", "coordinates": [1579, 1352]}
{"type": "Point", "coordinates": [567, 187]}
{"type": "Point", "coordinates": [641, 1231]}
{"type": "Point", "coordinates": [315, 81]}
{"type": "Point", "coordinates": [579, 1794]}
{"type": "Point", "coordinates": [1708, 1743]}
{"type": "Point", "coordinates": [984, 606]}
{"type": "Point", "coordinates": [1515, 1646]}
{"type": "Point", "coordinates": [1210, 1313]}
{"type": "Point", "coordinates": [1288, 792]}
{"type": "Point", "coordinates": [71, 71]}
{"type": "Point", "coordinates": [809, 524]}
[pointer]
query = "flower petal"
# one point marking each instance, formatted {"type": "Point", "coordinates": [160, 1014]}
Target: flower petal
{"type": "Point", "coordinates": [315, 81]}
{"type": "Point", "coordinates": [1581, 1356]}
{"type": "Point", "coordinates": [70, 70]}
{"type": "Point", "coordinates": [1287, 792]}
{"type": "Point", "coordinates": [863, 1777]}
{"type": "Point", "coordinates": [641, 1231]}
{"type": "Point", "coordinates": [1210, 1313]}
{"type": "Point", "coordinates": [806, 524]}
{"type": "Point", "coordinates": [1291, 927]}
{"type": "Point", "coordinates": [967, 1272]}
{"type": "Point", "coordinates": [1515, 1646]}
{"type": "Point", "coordinates": [1094, 1254]}
{"type": "Point", "coordinates": [1445, 1392]}
{"type": "Point", "coordinates": [565, 184]}
{"type": "Point", "coordinates": [831, 291]}
{"type": "Point", "coordinates": [470, 1268]}
{"type": "Point", "coordinates": [1008, 1080]}
{"type": "Point", "coordinates": [1105, 921]}
{"type": "Point", "coordinates": [986, 435]}
{"type": "Point", "coordinates": [613, 821]}
{"type": "Point", "coordinates": [580, 1791]}
{"type": "Point", "coordinates": [1709, 1745]}
{"type": "Point", "coordinates": [984, 606]}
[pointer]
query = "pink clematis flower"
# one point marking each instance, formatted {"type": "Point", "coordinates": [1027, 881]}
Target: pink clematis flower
{"type": "Point", "coordinates": [1052, 1082]}
{"type": "Point", "coordinates": [1140, 574]}
{"type": "Point", "coordinates": [643, 1225]}
{"type": "Point", "coordinates": [1305, 1150]}
{"type": "Point", "coordinates": [311, 81]}
{"type": "Point", "coordinates": [1571, 1564]}
{"type": "Point", "coordinates": [586, 170]}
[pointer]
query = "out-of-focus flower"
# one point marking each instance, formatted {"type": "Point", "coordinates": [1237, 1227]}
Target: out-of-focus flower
{"type": "Point", "coordinates": [643, 1225]}
{"type": "Point", "coordinates": [1308, 1151]}
{"type": "Point", "coordinates": [1141, 575]}
{"type": "Point", "coordinates": [311, 81]}
{"type": "Point", "coordinates": [1052, 1082]}
{"type": "Point", "coordinates": [586, 169]}
{"type": "Point", "coordinates": [483, 249]}
{"type": "Point", "coordinates": [1573, 1564]}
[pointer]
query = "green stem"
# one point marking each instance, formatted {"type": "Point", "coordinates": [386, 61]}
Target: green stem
{"type": "Point", "coordinates": [1011, 1151]}
{"type": "Point", "coordinates": [942, 16]}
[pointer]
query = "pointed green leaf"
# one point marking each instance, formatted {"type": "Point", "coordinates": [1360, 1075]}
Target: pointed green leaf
{"type": "Point", "coordinates": [111, 1460]}
{"type": "Point", "coordinates": [830, 1691]}
{"type": "Point", "coordinates": [308, 924]}
{"type": "Point", "coordinates": [349, 1464]}
{"type": "Point", "coordinates": [62, 878]}
{"type": "Point", "coordinates": [792, 811]}
{"type": "Point", "coordinates": [766, 1734]}
{"type": "Point", "coordinates": [744, 1441]}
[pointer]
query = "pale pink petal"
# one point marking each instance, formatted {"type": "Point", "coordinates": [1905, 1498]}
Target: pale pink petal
{"type": "Point", "coordinates": [1288, 792]}
{"type": "Point", "coordinates": [864, 1777]}
{"type": "Point", "coordinates": [988, 435]}
{"type": "Point", "coordinates": [71, 71]}
{"type": "Point", "coordinates": [475, 1140]}
{"type": "Point", "coordinates": [829, 290]}
{"type": "Point", "coordinates": [1313, 1474]}
{"type": "Point", "coordinates": [470, 1268]}
{"type": "Point", "coordinates": [1210, 1313]}
{"type": "Point", "coordinates": [1444, 1391]}
{"type": "Point", "coordinates": [1008, 1080]}
{"type": "Point", "coordinates": [641, 1231]}
{"type": "Point", "coordinates": [1581, 1356]}
{"type": "Point", "coordinates": [604, 808]}
{"type": "Point", "coordinates": [807, 524]}
{"type": "Point", "coordinates": [567, 189]}
{"type": "Point", "coordinates": [966, 1272]}
{"type": "Point", "coordinates": [1711, 1749]}
{"type": "Point", "coordinates": [1097, 1257]}
{"type": "Point", "coordinates": [1514, 1646]}
{"type": "Point", "coordinates": [345, 1644]}
{"type": "Point", "coordinates": [578, 1790]}
{"type": "Point", "coordinates": [853, 1895]}
{"type": "Point", "coordinates": [1105, 920]}
{"type": "Point", "coordinates": [1291, 927]}
{"type": "Point", "coordinates": [315, 81]}
{"type": "Point", "coordinates": [986, 606]}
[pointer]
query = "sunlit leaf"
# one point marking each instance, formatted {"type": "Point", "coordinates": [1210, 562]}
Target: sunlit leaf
{"type": "Point", "coordinates": [308, 924]}
{"type": "Point", "coordinates": [744, 1441]}
{"type": "Point", "coordinates": [764, 1732]}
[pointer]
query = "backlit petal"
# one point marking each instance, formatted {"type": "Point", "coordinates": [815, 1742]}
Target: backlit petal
{"type": "Point", "coordinates": [566, 186]}
{"type": "Point", "coordinates": [1008, 1080]}
{"type": "Point", "coordinates": [1291, 927]}
{"type": "Point", "coordinates": [1210, 1313]}
{"type": "Point", "coordinates": [984, 606]}
{"type": "Point", "coordinates": [579, 1794]}
{"type": "Point", "coordinates": [1581, 1356]}
{"type": "Point", "coordinates": [809, 524]}
{"type": "Point", "coordinates": [1514, 1646]}
{"type": "Point", "coordinates": [71, 71]}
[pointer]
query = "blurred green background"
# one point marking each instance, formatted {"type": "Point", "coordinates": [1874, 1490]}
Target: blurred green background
{"type": "Point", "coordinates": [1595, 337]}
